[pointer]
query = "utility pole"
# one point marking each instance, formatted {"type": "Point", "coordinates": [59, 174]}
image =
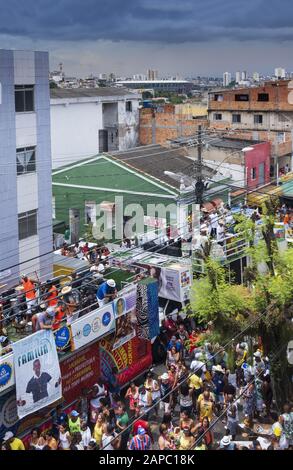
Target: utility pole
{"type": "Point", "coordinates": [199, 185]}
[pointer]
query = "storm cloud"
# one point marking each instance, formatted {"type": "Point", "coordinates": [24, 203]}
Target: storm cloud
{"type": "Point", "coordinates": [168, 21]}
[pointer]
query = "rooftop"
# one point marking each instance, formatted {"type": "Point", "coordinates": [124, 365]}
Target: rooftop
{"type": "Point", "coordinates": [236, 144]}
{"type": "Point", "coordinates": [60, 93]}
{"type": "Point", "coordinates": [155, 160]}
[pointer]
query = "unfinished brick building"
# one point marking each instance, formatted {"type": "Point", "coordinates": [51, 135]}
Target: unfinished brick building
{"type": "Point", "coordinates": [164, 123]}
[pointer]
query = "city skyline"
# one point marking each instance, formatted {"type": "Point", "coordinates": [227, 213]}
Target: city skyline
{"type": "Point", "coordinates": [189, 38]}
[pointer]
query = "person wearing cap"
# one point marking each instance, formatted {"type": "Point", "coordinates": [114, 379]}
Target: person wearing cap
{"type": "Point", "coordinates": [74, 423]}
{"type": "Point", "coordinates": [106, 292]}
{"type": "Point", "coordinates": [12, 442]}
{"type": "Point", "coordinates": [44, 320]}
{"type": "Point", "coordinates": [141, 441]}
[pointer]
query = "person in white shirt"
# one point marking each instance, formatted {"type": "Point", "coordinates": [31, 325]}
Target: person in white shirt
{"type": "Point", "coordinates": [86, 435]}
{"type": "Point", "coordinates": [214, 223]}
{"type": "Point", "coordinates": [220, 232]}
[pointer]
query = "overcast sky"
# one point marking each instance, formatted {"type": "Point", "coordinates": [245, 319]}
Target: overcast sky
{"type": "Point", "coordinates": [187, 37]}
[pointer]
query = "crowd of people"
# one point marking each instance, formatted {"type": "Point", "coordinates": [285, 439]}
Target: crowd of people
{"type": "Point", "coordinates": [191, 402]}
{"type": "Point", "coordinates": [33, 306]}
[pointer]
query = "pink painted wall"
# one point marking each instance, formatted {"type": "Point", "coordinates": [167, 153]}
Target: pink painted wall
{"type": "Point", "coordinates": [260, 154]}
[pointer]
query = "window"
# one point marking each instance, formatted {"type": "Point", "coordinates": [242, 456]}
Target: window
{"type": "Point", "coordinates": [281, 137]}
{"type": "Point", "coordinates": [26, 160]}
{"type": "Point", "coordinates": [27, 224]}
{"type": "Point", "coordinates": [24, 98]}
{"type": "Point", "coordinates": [263, 97]}
{"type": "Point", "coordinates": [128, 105]}
{"type": "Point", "coordinates": [217, 117]}
{"type": "Point", "coordinates": [253, 173]}
{"type": "Point", "coordinates": [218, 97]}
{"type": "Point", "coordinates": [90, 213]}
{"type": "Point", "coordinates": [258, 119]}
{"type": "Point", "coordinates": [239, 97]}
{"type": "Point", "coordinates": [236, 118]}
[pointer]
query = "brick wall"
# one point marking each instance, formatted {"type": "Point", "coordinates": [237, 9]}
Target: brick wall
{"type": "Point", "coordinates": [278, 98]}
{"type": "Point", "coordinates": [160, 126]}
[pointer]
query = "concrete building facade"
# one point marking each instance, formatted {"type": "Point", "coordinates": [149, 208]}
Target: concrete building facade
{"type": "Point", "coordinates": [25, 175]}
{"type": "Point", "coordinates": [247, 163]}
{"type": "Point", "coordinates": [87, 121]}
{"type": "Point", "coordinates": [263, 113]}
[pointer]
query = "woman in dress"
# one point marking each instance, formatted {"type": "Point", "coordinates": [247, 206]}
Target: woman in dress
{"type": "Point", "coordinates": [64, 438]}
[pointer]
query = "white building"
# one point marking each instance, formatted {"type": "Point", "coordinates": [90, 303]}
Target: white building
{"type": "Point", "coordinates": [238, 77]}
{"type": "Point", "coordinates": [227, 78]}
{"type": "Point", "coordinates": [280, 72]}
{"type": "Point", "coordinates": [256, 77]}
{"type": "Point", "coordinates": [25, 159]}
{"type": "Point", "coordinates": [244, 75]}
{"type": "Point", "coordinates": [85, 122]}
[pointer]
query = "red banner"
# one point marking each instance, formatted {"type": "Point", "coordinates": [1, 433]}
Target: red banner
{"type": "Point", "coordinates": [131, 359]}
{"type": "Point", "coordinates": [80, 370]}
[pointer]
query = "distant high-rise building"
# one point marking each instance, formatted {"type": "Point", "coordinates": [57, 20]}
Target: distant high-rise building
{"type": "Point", "coordinates": [227, 78]}
{"type": "Point", "coordinates": [280, 72]}
{"type": "Point", "coordinates": [139, 76]}
{"type": "Point", "coordinates": [152, 74]}
{"type": "Point", "coordinates": [238, 77]}
{"type": "Point", "coordinates": [244, 75]}
{"type": "Point", "coordinates": [255, 76]}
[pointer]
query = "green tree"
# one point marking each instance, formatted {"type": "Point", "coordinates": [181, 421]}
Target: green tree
{"type": "Point", "coordinates": [264, 306]}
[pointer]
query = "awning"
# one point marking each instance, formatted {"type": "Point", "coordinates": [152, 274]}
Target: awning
{"type": "Point", "coordinates": [263, 194]}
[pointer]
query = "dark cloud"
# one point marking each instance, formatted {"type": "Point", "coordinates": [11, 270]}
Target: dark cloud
{"type": "Point", "coordinates": [166, 21]}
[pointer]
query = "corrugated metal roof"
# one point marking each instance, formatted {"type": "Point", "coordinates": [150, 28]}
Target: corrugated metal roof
{"type": "Point", "coordinates": [59, 93]}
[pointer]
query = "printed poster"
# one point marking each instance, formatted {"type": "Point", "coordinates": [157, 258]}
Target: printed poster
{"type": "Point", "coordinates": [125, 314]}
{"type": "Point", "coordinates": [37, 372]}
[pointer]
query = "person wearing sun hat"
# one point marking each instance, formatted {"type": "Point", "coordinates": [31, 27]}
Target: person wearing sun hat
{"type": "Point", "coordinates": [226, 443]}
{"type": "Point", "coordinates": [106, 292]}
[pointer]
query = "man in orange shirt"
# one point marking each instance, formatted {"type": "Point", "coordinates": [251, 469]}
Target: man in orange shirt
{"type": "Point", "coordinates": [52, 296]}
{"type": "Point", "coordinates": [29, 292]}
{"type": "Point", "coordinates": [59, 317]}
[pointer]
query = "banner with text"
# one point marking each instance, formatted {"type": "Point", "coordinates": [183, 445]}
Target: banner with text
{"type": "Point", "coordinates": [131, 359]}
{"type": "Point", "coordinates": [80, 370]}
{"type": "Point", "coordinates": [37, 372]}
